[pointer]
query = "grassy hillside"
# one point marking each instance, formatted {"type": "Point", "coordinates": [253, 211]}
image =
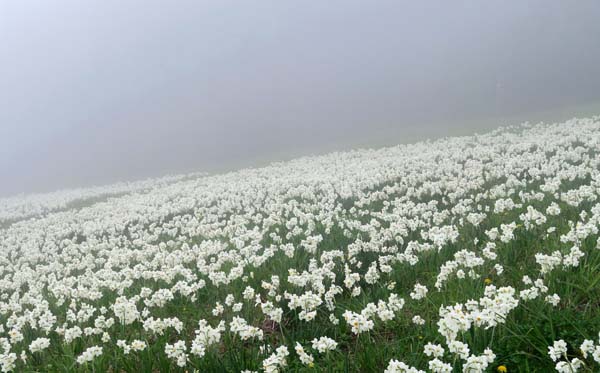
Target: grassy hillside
{"type": "Point", "coordinates": [466, 254]}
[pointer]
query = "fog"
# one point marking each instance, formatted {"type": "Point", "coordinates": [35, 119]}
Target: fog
{"type": "Point", "coordinates": [95, 92]}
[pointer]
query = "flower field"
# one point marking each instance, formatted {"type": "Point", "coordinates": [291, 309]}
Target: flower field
{"type": "Point", "coordinates": [464, 254]}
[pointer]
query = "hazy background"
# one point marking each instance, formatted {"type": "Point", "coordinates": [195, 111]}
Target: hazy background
{"type": "Point", "coordinates": [94, 92]}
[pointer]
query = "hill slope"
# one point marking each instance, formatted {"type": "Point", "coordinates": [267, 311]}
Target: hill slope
{"type": "Point", "coordinates": [466, 254]}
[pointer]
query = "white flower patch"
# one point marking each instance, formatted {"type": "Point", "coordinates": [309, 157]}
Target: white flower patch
{"type": "Point", "coordinates": [202, 267]}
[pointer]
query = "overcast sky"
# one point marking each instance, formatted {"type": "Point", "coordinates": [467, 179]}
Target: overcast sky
{"type": "Point", "coordinates": [93, 92]}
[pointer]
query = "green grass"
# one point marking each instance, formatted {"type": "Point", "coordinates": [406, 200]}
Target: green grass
{"type": "Point", "coordinates": [520, 343]}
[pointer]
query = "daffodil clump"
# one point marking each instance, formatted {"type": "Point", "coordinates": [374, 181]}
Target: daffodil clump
{"type": "Point", "coordinates": [465, 254]}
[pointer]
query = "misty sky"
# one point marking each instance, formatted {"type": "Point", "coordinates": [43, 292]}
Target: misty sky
{"type": "Point", "coordinates": [95, 92]}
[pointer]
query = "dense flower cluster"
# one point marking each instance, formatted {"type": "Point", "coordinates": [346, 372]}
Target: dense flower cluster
{"type": "Point", "coordinates": [298, 263]}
